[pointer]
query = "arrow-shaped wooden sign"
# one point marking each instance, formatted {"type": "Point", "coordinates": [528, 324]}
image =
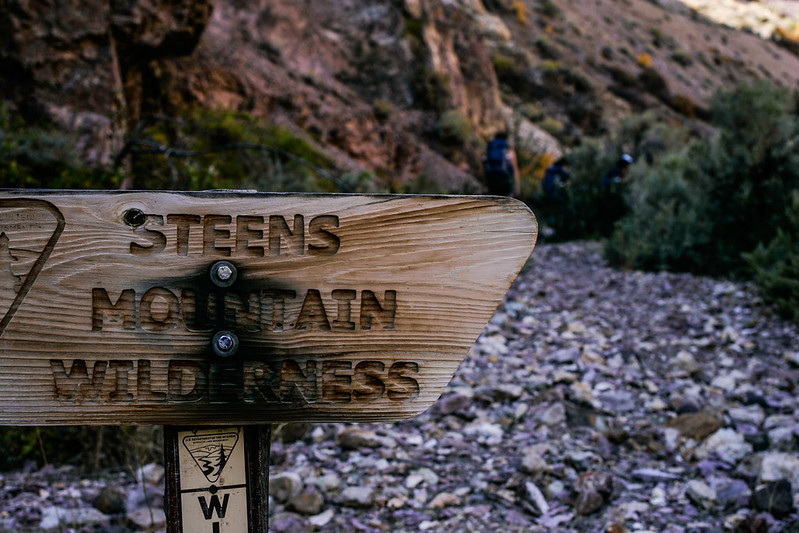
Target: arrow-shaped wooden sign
{"type": "Point", "coordinates": [244, 308]}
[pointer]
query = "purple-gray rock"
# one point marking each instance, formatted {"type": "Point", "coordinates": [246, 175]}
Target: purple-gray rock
{"type": "Point", "coordinates": [589, 501]}
{"type": "Point", "coordinates": [733, 494]}
{"type": "Point", "coordinates": [308, 502]}
{"type": "Point", "coordinates": [289, 523]}
{"type": "Point", "coordinates": [775, 498]}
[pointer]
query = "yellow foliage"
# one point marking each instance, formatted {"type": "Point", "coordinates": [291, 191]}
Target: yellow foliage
{"type": "Point", "coordinates": [521, 11]}
{"type": "Point", "coordinates": [533, 166]}
{"type": "Point", "coordinates": [644, 60]}
{"type": "Point", "coordinates": [160, 138]}
{"type": "Point", "coordinates": [791, 33]}
{"type": "Point", "coordinates": [531, 172]}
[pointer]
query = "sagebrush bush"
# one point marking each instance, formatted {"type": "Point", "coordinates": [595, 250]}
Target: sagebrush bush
{"type": "Point", "coordinates": [751, 167]}
{"type": "Point", "coordinates": [776, 264]}
{"type": "Point", "coordinates": [700, 208]}
{"type": "Point", "coordinates": [587, 213]}
{"type": "Point", "coordinates": [665, 228]}
{"type": "Point", "coordinates": [89, 448]}
{"type": "Point", "coordinates": [40, 156]}
{"type": "Point", "coordinates": [453, 129]}
{"type": "Point", "coordinates": [224, 149]}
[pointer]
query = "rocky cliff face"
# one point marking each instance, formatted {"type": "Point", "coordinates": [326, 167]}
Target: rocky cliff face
{"type": "Point", "coordinates": [399, 87]}
{"type": "Point", "coordinates": [366, 80]}
{"type": "Point", "coordinates": [94, 66]}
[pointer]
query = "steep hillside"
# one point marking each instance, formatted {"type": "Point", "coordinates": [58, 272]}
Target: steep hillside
{"type": "Point", "coordinates": [401, 88]}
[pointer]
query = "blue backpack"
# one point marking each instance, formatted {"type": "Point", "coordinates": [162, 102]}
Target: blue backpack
{"type": "Point", "coordinates": [497, 169]}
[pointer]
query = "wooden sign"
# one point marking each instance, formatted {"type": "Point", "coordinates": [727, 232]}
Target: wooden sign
{"type": "Point", "coordinates": [244, 308]}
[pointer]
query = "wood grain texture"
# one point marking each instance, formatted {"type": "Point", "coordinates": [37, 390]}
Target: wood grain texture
{"type": "Point", "coordinates": [346, 307]}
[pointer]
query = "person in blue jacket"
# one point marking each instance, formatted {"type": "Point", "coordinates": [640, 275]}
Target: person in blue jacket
{"type": "Point", "coordinates": [556, 179]}
{"type": "Point", "coordinates": [614, 205]}
{"type": "Point", "coordinates": [500, 170]}
{"type": "Point", "coordinates": [618, 174]}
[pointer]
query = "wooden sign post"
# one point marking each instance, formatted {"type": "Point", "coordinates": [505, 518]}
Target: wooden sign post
{"type": "Point", "coordinates": [235, 309]}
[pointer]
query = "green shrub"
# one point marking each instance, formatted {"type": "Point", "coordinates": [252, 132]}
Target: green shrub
{"type": "Point", "coordinates": [381, 109]}
{"type": "Point", "coordinates": [682, 58]}
{"type": "Point", "coordinates": [701, 208]}
{"type": "Point", "coordinates": [224, 149]}
{"type": "Point", "coordinates": [548, 9]}
{"type": "Point", "coordinates": [550, 67]}
{"type": "Point", "coordinates": [563, 82]}
{"type": "Point", "coordinates": [513, 72]}
{"type": "Point", "coordinates": [531, 111]}
{"type": "Point", "coordinates": [545, 49]}
{"type": "Point", "coordinates": [654, 83]}
{"type": "Point", "coordinates": [665, 229]}
{"type": "Point", "coordinates": [40, 156]}
{"type": "Point", "coordinates": [360, 182]}
{"type": "Point", "coordinates": [552, 126]}
{"type": "Point", "coordinates": [751, 166]}
{"type": "Point", "coordinates": [581, 216]}
{"type": "Point", "coordinates": [423, 184]}
{"type": "Point", "coordinates": [90, 448]}
{"type": "Point", "coordinates": [505, 66]}
{"type": "Point", "coordinates": [776, 265]}
{"type": "Point", "coordinates": [683, 105]}
{"type": "Point", "coordinates": [587, 213]}
{"type": "Point", "coordinates": [430, 89]}
{"type": "Point", "coordinates": [202, 150]}
{"type": "Point", "coordinates": [453, 129]}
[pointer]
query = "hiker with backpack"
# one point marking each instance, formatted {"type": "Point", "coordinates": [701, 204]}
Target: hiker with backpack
{"type": "Point", "coordinates": [552, 204]}
{"type": "Point", "coordinates": [556, 178]}
{"type": "Point", "coordinates": [612, 194]}
{"type": "Point", "coordinates": [617, 176]}
{"type": "Point", "coordinates": [499, 167]}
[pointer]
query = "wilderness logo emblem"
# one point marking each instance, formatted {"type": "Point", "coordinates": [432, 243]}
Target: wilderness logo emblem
{"type": "Point", "coordinates": [29, 230]}
{"type": "Point", "coordinates": [211, 452]}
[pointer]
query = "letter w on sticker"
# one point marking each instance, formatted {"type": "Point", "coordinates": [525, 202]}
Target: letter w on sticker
{"type": "Point", "coordinates": [220, 508]}
{"type": "Point", "coordinates": [29, 230]}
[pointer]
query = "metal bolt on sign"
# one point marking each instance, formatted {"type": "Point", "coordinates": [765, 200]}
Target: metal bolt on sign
{"type": "Point", "coordinates": [225, 344]}
{"type": "Point", "coordinates": [223, 274]}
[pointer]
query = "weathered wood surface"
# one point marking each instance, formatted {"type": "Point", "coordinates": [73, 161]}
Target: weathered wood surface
{"type": "Point", "coordinates": [347, 307]}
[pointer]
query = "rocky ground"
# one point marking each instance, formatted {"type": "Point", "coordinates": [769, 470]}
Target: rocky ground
{"type": "Point", "coordinates": [595, 400]}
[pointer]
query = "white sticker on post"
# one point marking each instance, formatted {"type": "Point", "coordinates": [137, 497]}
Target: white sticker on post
{"type": "Point", "coordinates": [213, 480]}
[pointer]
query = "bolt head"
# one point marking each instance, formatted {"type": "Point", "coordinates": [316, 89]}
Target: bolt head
{"type": "Point", "coordinates": [225, 343]}
{"type": "Point", "coordinates": [224, 272]}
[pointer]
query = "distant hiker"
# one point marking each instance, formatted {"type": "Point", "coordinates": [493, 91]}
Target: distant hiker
{"type": "Point", "coordinates": [556, 178]}
{"type": "Point", "coordinates": [499, 167]}
{"type": "Point", "coordinates": [617, 174]}
{"type": "Point", "coordinates": [551, 206]}
{"type": "Point", "coordinates": [614, 205]}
